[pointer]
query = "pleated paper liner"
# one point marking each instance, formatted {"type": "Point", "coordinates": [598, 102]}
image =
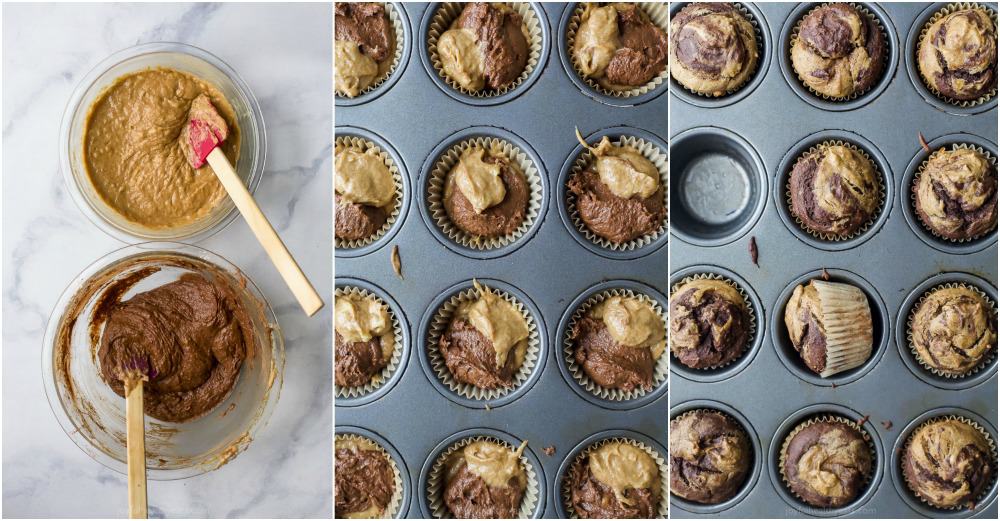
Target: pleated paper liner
{"type": "Point", "coordinates": [861, 8]}
{"type": "Point", "coordinates": [397, 349]}
{"type": "Point", "coordinates": [586, 158]}
{"type": "Point", "coordinates": [439, 326]}
{"type": "Point", "coordinates": [660, 369]}
{"type": "Point", "coordinates": [448, 12]}
{"type": "Point", "coordinates": [986, 436]}
{"type": "Point", "coordinates": [661, 463]}
{"type": "Point", "coordinates": [436, 479]}
{"type": "Point", "coordinates": [439, 177]}
{"type": "Point", "coordinates": [945, 11]}
{"type": "Point", "coordinates": [831, 237]}
{"type": "Point", "coordinates": [758, 37]}
{"type": "Point", "coordinates": [747, 306]}
{"type": "Point", "coordinates": [916, 179]}
{"type": "Point", "coordinates": [659, 14]}
{"type": "Point", "coordinates": [844, 308]}
{"type": "Point", "coordinates": [397, 490]}
{"type": "Point", "coordinates": [364, 145]}
{"type": "Point", "coordinates": [387, 67]}
{"type": "Point", "coordinates": [986, 361]}
{"type": "Point", "coordinates": [828, 418]}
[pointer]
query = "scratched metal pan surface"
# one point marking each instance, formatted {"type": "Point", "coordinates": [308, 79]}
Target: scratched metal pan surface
{"type": "Point", "coordinates": [724, 145]}
{"type": "Point", "coordinates": [552, 267]}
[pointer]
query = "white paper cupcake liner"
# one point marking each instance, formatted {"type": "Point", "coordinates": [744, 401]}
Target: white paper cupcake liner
{"type": "Point", "coordinates": [986, 361]}
{"type": "Point", "coordinates": [747, 305]}
{"type": "Point", "coordinates": [661, 365]}
{"type": "Point", "coordinates": [397, 490]}
{"type": "Point", "coordinates": [758, 38]}
{"type": "Point", "coordinates": [658, 13]}
{"type": "Point", "coordinates": [438, 179]}
{"type": "Point", "coordinates": [993, 457]}
{"type": "Point", "coordinates": [439, 326]}
{"type": "Point", "coordinates": [945, 11]}
{"type": "Point", "coordinates": [364, 145]}
{"type": "Point", "coordinates": [381, 378]}
{"type": "Point", "coordinates": [436, 479]}
{"type": "Point", "coordinates": [661, 463]}
{"type": "Point", "coordinates": [861, 8]}
{"type": "Point", "coordinates": [831, 237]}
{"type": "Point", "coordinates": [844, 309]}
{"type": "Point", "coordinates": [827, 418]}
{"type": "Point", "coordinates": [916, 179]}
{"type": "Point", "coordinates": [448, 12]}
{"type": "Point", "coordinates": [586, 158]}
{"type": "Point", "coordinates": [386, 67]}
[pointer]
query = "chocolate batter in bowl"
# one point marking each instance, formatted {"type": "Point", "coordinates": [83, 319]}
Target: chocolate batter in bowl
{"type": "Point", "coordinates": [101, 138]}
{"type": "Point", "coordinates": [205, 329]}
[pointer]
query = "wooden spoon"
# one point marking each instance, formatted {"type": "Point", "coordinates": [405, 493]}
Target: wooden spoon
{"type": "Point", "coordinates": [135, 372]}
{"type": "Point", "coordinates": [201, 138]}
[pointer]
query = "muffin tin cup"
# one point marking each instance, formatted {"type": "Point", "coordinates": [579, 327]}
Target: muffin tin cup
{"type": "Point", "coordinates": [434, 179]}
{"type": "Point", "coordinates": [574, 374]}
{"type": "Point", "coordinates": [569, 23]}
{"type": "Point", "coordinates": [908, 199]}
{"type": "Point", "coordinates": [755, 468]}
{"type": "Point", "coordinates": [401, 55]}
{"type": "Point", "coordinates": [652, 148]}
{"type": "Point", "coordinates": [918, 505]}
{"type": "Point", "coordinates": [400, 501]}
{"type": "Point", "coordinates": [783, 196]}
{"type": "Point", "coordinates": [931, 96]}
{"type": "Point", "coordinates": [432, 479]}
{"type": "Point", "coordinates": [365, 140]}
{"type": "Point", "coordinates": [435, 324]}
{"type": "Point", "coordinates": [561, 492]}
{"type": "Point", "coordinates": [753, 307]}
{"type": "Point", "coordinates": [904, 320]}
{"type": "Point", "coordinates": [790, 357]}
{"type": "Point", "coordinates": [807, 416]}
{"type": "Point", "coordinates": [438, 18]}
{"type": "Point", "coordinates": [764, 45]}
{"type": "Point", "coordinates": [789, 31]}
{"type": "Point", "coordinates": [705, 159]}
{"type": "Point", "coordinates": [391, 373]}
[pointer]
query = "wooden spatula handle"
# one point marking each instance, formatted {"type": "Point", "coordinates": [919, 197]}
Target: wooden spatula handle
{"type": "Point", "coordinates": [303, 290]}
{"type": "Point", "coordinates": [136, 441]}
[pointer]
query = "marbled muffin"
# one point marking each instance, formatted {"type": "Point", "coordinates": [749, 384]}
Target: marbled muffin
{"type": "Point", "coordinates": [618, 342]}
{"type": "Point", "coordinates": [619, 46]}
{"type": "Point", "coordinates": [955, 195]}
{"type": "Point", "coordinates": [364, 192]}
{"type": "Point", "coordinates": [485, 194]}
{"type": "Point", "coordinates": [709, 323]}
{"type": "Point", "coordinates": [485, 47]}
{"type": "Point", "coordinates": [713, 48]}
{"type": "Point", "coordinates": [619, 195]}
{"type": "Point", "coordinates": [827, 463]}
{"type": "Point", "coordinates": [710, 457]}
{"type": "Point", "coordinates": [364, 339]}
{"type": "Point", "coordinates": [839, 51]}
{"type": "Point", "coordinates": [953, 330]}
{"type": "Point", "coordinates": [835, 190]}
{"type": "Point", "coordinates": [830, 325]}
{"type": "Point", "coordinates": [615, 481]}
{"type": "Point", "coordinates": [486, 341]}
{"type": "Point", "coordinates": [485, 480]}
{"type": "Point", "coordinates": [365, 480]}
{"type": "Point", "coordinates": [364, 45]}
{"type": "Point", "coordinates": [948, 463]}
{"type": "Point", "coordinates": [958, 55]}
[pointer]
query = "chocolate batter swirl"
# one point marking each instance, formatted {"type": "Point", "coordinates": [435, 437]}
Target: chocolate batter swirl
{"type": "Point", "coordinates": [364, 482]}
{"type": "Point", "coordinates": [468, 496]}
{"type": "Point", "coordinates": [713, 48]}
{"type": "Point", "coordinates": [593, 499]}
{"type": "Point", "coordinates": [958, 55]}
{"type": "Point", "coordinates": [839, 51]}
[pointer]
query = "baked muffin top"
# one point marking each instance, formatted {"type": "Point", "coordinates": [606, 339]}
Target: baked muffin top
{"type": "Point", "coordinates": [956, 194]}
{"type": "Point", "coordinates": [958, 54]}
{"type": "Point", "coordinates": [713, 48]}
{"type": "Point", "coordinates": [839, 51]}
{"type": "Point", "coordinates": [953, 330]}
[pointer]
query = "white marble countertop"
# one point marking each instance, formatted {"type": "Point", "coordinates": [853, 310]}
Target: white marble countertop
{"type": "Point", "coordinates": [283, 53]}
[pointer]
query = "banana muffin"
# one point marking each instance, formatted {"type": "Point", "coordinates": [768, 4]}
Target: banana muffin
{"type": "Point", "coordinates": [713, 48]}
{"type": "Point", "coordinates": [953, 330]}
{"type": "Point", "coordinates": [955, 195]}
{"type": "Point", "coordinates": [830, 325]}
{"type": "Point", "coordinates": [827, 463]}
{"type": "Point", "coordinates": [619, 46]}
{"type": "Point", "coordinates": [957, 56]}
{"type": "Point", "coordinates": [710, 457]}
{"type": "Point", "coordinates": [615, 481]}
{"type": "Point", "coordinates": [709, 323]}
{"type": "Point", "coordinates": [839, 51]}
{"type": "Point", "coordinates": [835, 190]}
{"type": "Point", "coordinates": [948, 463]}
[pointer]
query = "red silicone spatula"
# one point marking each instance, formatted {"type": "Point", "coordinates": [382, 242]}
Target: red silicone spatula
{"type": "Point", "coordinates": [206, 130]}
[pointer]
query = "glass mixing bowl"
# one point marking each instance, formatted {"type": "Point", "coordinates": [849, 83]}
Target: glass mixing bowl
{"type": "Point", "coordinates": [94, 416]}
{"type": "Point", "coordinates": [185, 58]}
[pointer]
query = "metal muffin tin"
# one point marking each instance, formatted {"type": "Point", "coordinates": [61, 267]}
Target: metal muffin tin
{"type": "Point", "coordinates": [774, 390]}
{"type": "Point", "coordinates": [551, 265]}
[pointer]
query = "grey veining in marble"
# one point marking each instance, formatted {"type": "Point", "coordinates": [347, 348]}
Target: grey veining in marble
{"type": "Point", "coordinates": [283, 53]}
